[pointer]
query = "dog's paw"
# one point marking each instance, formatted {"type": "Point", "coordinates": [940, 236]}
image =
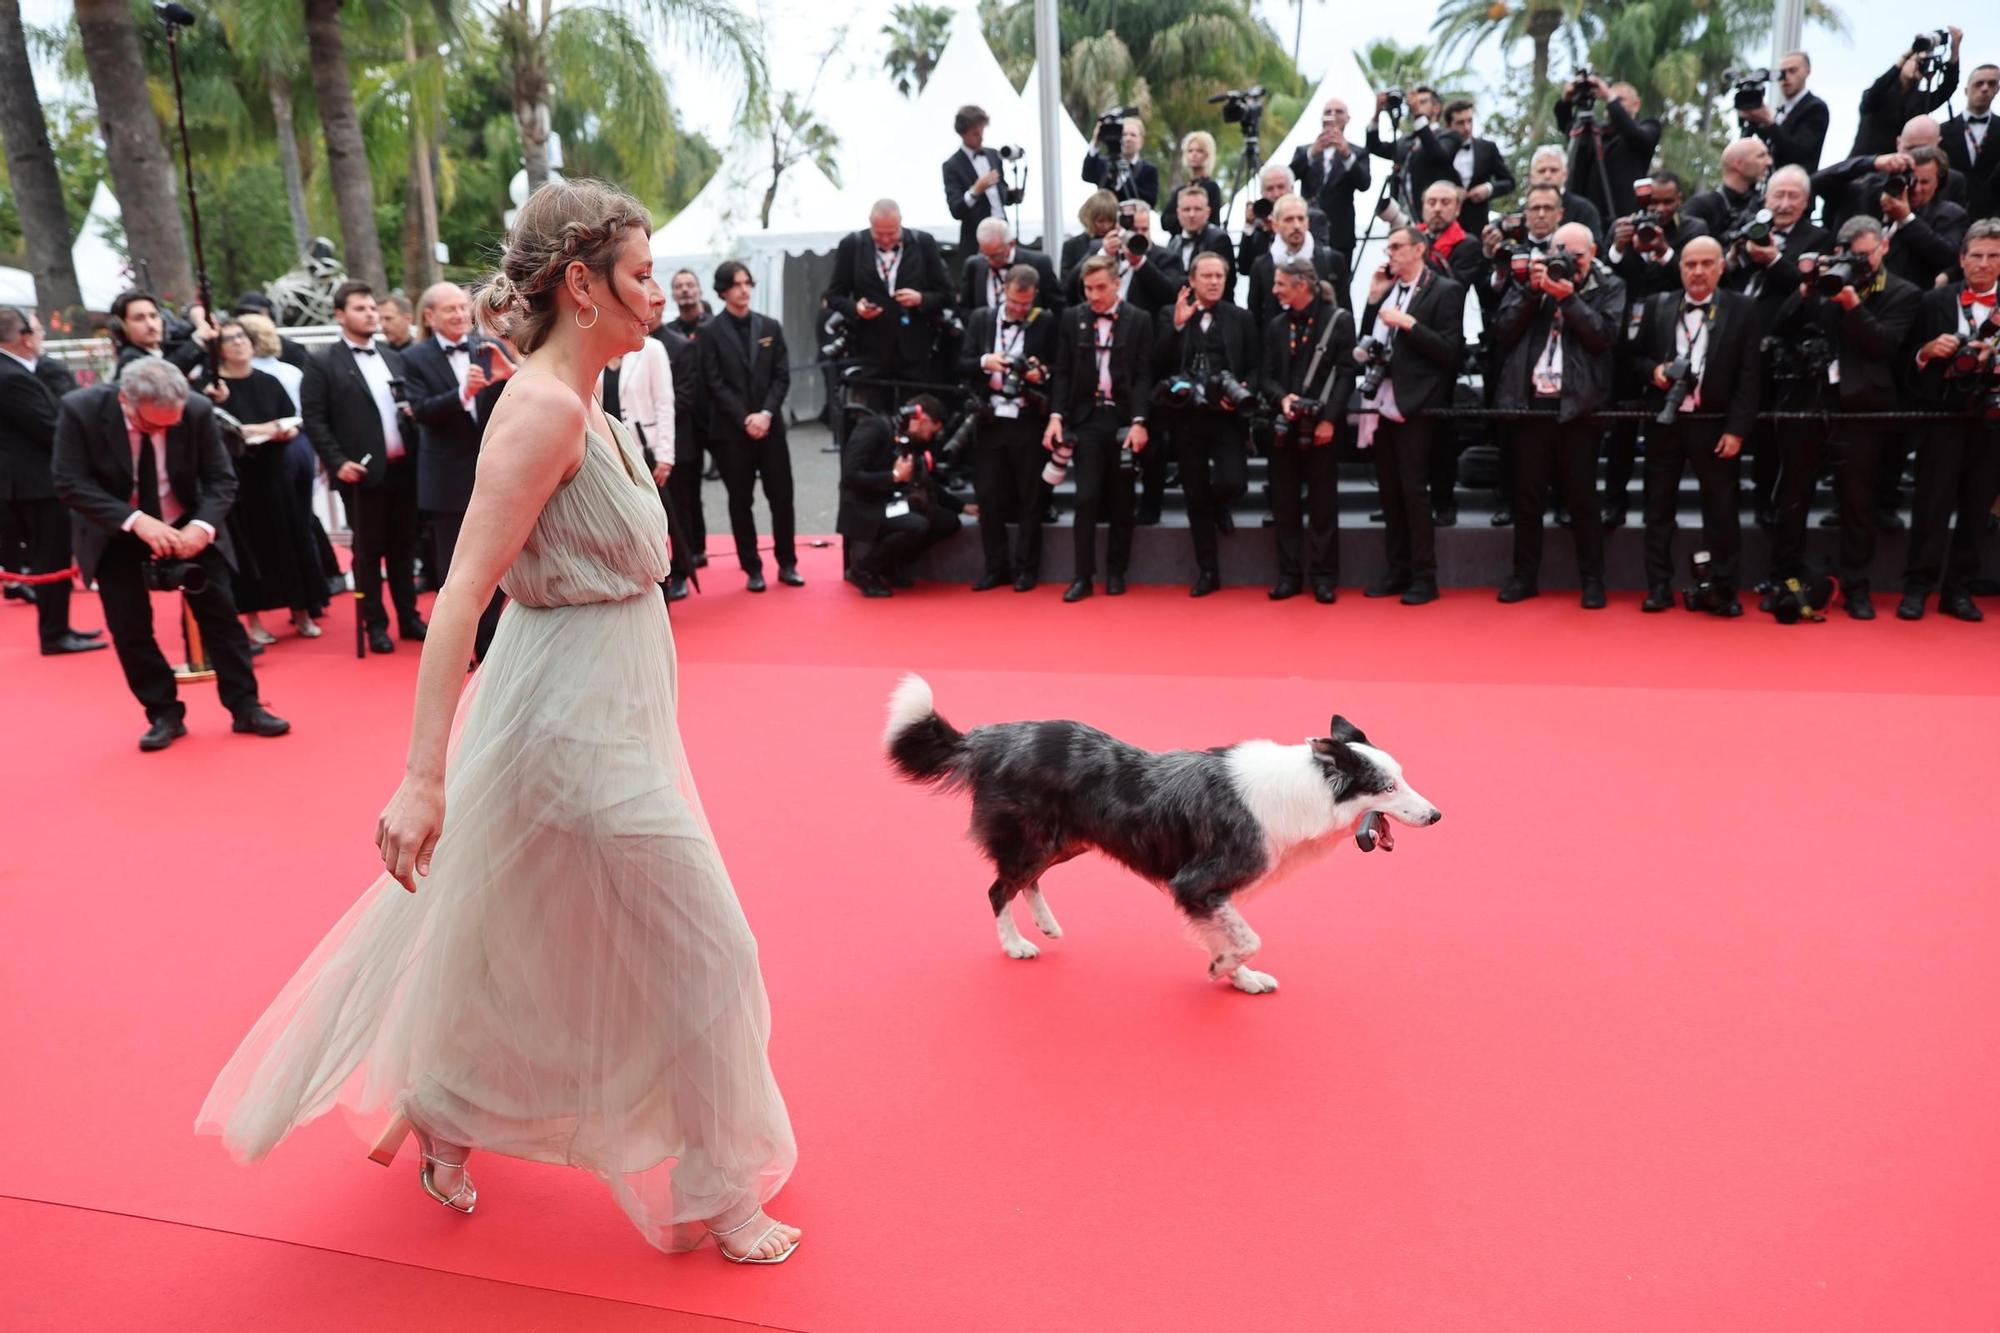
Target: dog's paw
{"type": "Point", "coordinates": [1253, 983]}
{"type": "Point", "coordinates": [1047, 925]}
{"type": "Point", "coordinates": [1021, 949]}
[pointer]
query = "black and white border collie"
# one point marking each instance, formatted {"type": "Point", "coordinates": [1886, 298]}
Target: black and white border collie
{"type": "Point", "coordinates": [1206, 825]}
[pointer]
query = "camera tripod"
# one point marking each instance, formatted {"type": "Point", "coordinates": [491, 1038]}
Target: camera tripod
{"type": "Point", "coordinates": [1584, 129]}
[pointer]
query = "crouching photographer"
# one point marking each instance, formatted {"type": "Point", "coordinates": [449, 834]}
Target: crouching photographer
{"type": "Point", "coordinates": [1308, 370]}
{"type": "Point", "coordinates": [1556, 335]}
{"type": "Point", "coordinates": [1207, 361]}
{"type": "Point", "coordinates": [1006, 363]}
{"type": "Point", "coordinates": [889, 498]}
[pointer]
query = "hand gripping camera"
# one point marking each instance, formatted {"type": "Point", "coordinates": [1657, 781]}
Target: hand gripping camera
{"type": "Point", "coordinates": [1297, 424]}
{"type": "Point", "coordinates": [1648, 228]}
{"type": "Point", "coordinates": [1372, 355]}
{"type": "Point", "coordinates": [1749, 87]}
{"type": "Point", "coordinates": [1681, 380]}
{"type": "Point", "coordinates": [1832, 271]}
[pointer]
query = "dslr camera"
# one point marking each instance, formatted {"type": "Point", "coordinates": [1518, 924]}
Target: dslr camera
{"type": "Point", "coordinates": [1749, 87]}
{"type": "Point", "coordinates": [1799, 358]}
{"type": "Point", "coordinates": [840, 338]}
{"type": "Point", "coordinates": [1372, 355]}
{"type": "Point", "coordinates": [1583, 93]}
{"type": "Point", "coordinates": [1832, 271]}
{"type": "Point", "coordinates": [1897, 184]}
{"type": "Point", "coordinates": [1297, 424]}
{"type": "Point", "coordinates": [1648, 228]}
{"type": "Point", "coordinates": [1754, 225]}
{"type": "Point", "coordinates": [1932, 50]}
{"type": "Point", "coordinates": [174, 576]}
{"type": "Point", "coordinates": [1708, 593]}
{"type": "Point", "coordinates": [1681, 380]}
{"type": "Point", "coordinates": [1393, 107]}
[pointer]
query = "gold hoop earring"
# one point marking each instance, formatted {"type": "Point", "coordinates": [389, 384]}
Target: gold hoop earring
{"type": "Point", "coordinates": [595, 313]}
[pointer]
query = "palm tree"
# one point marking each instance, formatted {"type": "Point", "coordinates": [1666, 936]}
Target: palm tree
{"type": "Point", "coordinates": [1386, 65]}
{"type": "Point", "coordinates": [1463, 26]}
{"type": "Point", "coordinates": [917, 33]}
{"type": "Point", "coordinates": [346, 150]}
{"type": "Point", "coordinates": [142, 176]}
{"type": "Point", "coordinates": [605, 45]}
{"type": "Point", "coordinates": [31, 170]}
{"type": "Point", "coordinates": [797, 135]}
{"type": "Point", "coordinates": [267, 36]}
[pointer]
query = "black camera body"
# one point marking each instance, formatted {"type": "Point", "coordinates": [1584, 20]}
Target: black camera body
{"type": "Point", "coordinates": [1897, 184]}
{"type": "Point", "coordinates": [1648, 227]}
{"type": "Point", "coordinates": [1513, 227]}
{"type": "Point", "coordinates": [1372, 355]}
{"type": "Point", "coordinates": [1298, 421]}
{"type": "Point", "coordinates": [400, 392]}
{"type": "Point", "coordinates": [1832, 271]}
{"type": "Point", "coordinates": [1749, 87]}
{"type": "Point", "coordinates": [1707, 593]}
{"type": "Point", "coordinates": [1560, 265]}
{"type": "Point", "coordinates": [1799, 598]}
{"type": "Point", "coordinates": [1681, 380]}
{"type": "Point", "coordinates": [1393, 107]}
{"type": "Point", "coordinates": [840, 338]}
{"type": "Point", "coordinates": [1751, 225]}
{"type": "Point", "coordinates": [1110, 135]}
{"type": "Point", "coordinates": [1932, 51]}
{"type": "Point", "coordinates": [174, 576]}
{"type": "Point", "coordinates": [1798, 359]}
{"type": "Point", "coordinates": [1583, 94]}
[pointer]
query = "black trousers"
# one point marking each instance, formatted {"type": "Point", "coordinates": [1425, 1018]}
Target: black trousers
{"type": "Point", "coordinates": [444, 536]}
{"type": "Point", "coordinates": [690, 461]}
{"type": "Point", "coordinates": [1153, 481]}
{"type": "Point", "coordinates": [128, 613]}
{"type": "Point", "coordinates": [44, 533]}
{"type": "Point", "coordinates": [1621, 455]}
{"type": "Point", "coordinates": [1856, 451]}
{"type": "Point", "coordinates": [1103, 489]}
{"type": "Point", "coordinates": [1402, 466]}
{"type": "Point", "coordinates": [1671, 451]}
{"type": "Point", "coordinates": [1568, 451]}
{"type": "Point", "coordinates": [742, 461]}
{"type": "Point", "coordinates": [384, 519]}
{"type": "Point", "coordinates": [1007, 462]}
{"type": "Point", "coordinates": [1445, 449]}
{"type": "Point", "coordinates": [902, 539]}
{"type": "Point", "coordinates": [1958, 478]}
{"type": "Point", "coordinates": [1305, 504]}
{"type": "Point", "coordinates": [1215, 472]}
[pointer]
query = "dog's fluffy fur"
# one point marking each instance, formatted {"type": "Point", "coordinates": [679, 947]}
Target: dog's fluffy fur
{"type": "Point", "coordinates": [1205, 824]}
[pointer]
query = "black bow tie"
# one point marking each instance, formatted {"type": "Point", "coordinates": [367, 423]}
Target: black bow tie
{"type": "Point", "coordinates": [1692, 307]}
{"type": "Point", "coordinates": [1010, 323]}
{"type": "Point", "coordinates": [1977, 120]}
{"type": "Point", "coordinates": [461, 348]}
{"type": "Point", "coordinates": [360, 351]}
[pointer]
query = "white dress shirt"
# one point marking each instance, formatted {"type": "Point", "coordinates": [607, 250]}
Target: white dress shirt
{"type": "Point", "coordinates": [458, 355]}
{"type": "Point", "coordinates": [171, 507]}
{"type": "Point", "coordinates": [981, 164]}
{"type": "Point", "coordinates": [376, 371]}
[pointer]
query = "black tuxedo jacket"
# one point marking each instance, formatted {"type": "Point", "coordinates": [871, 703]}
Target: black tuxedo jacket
{"type": "Point", "coordinates": [1416, 170]}
{"type": "Point", "coordinates": [1231, 343]}
{"type": "Point", "coordinates": [1799, 141]}
{"type": "Point", "coordinates": [1629, 144]}
{"type": "Point", "coordinates": [1142, 183]}
{"type": "Point", "coordinates": [94, 475]}
{"type": "Point", "coordinates": [1593, 319]}
{"type": "Point", "coordinates": [1154, 284]}
{"type": "Point", "coordinates": [737, 388]}
{"type": "Point", "coordinates": [1263, 303]}
{"type": "Point", "coordinates": [1869, 340]}
{"type": "Point", "coordinates": [1039, 339]}
{"type": "Point", "coordinates": [1981, 174]}
{"type": "Point", "coordinates": [959, 176]}
{"type": "Point", "coordinates": [1769, 285]}
{"type": "Point", "coordinates": [1731, 371]}
{"type": "Point", "coordinates": [1440, 153]}
{"type": "Point", "coordinates": [1853, 187]}
{"type": "Point", "coordinates": [1887, 106]}
{"type": "Point", "coordinates": [1643, 278]}
{"type": "Point", "coordinates": [1928, 243]}
{"type": "Point", "coordinates": [972, 282]}
{"type": "Point", "coordinates": [1576, 208]}
{"type": "Point", "coordinates": [1423, 364]}
{"type": "Point", "coordinates": [338, 408]}
{"type": "Point", "coordinates": [691, 400]}
{"type": "Point", "coordinates": [1716, 209]}
{"type": "Point", "coordinates": [886, 342]}
{"type": "Point", "coordinates": [1938, 313]}
{"type": "Point", "coordinates": [1284, 370]}
{"type": "Point", "coordinates": [448, 456]}
{"type": "Point", "coordinates": [29, 402]}
{"type": "Point", "coordinates": [1170, 218]}
{"type": "Point", "coordinates": [1332, 190]}
{"type": "Point", "coordinates": [1075, 383]}
{"type": "Point", "coordinates": [1213, 240]}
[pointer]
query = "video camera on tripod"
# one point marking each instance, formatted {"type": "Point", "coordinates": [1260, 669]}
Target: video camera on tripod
{"type": "Point", "coordinates": [1110, 135]}
{"type": "Point", "coordinates": [1244, 106]}
{"type": "Point", "coordinates": [1582, 93]}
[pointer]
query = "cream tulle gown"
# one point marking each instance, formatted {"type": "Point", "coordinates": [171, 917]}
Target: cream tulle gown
{"type": "Point", "coordinates": [575, 982]}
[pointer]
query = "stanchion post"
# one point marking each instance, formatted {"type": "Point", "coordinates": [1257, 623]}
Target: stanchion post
{"type": "Point", "coordinates": [360, 623]}
{"type": "Point", "coordinates": [197, 667]}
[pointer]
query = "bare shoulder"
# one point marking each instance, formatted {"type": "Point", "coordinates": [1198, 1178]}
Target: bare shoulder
{"type": "Point", "coordinates": [537, 422]}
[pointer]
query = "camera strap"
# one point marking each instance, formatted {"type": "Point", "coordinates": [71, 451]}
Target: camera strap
{"type": "Point", "coordinates": [1333, 314]}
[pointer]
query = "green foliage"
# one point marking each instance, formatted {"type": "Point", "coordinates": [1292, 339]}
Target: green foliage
{"type": "Point", "coordinates": [246, 233]}
{"type": "Point", "coordinates": [917, 33]}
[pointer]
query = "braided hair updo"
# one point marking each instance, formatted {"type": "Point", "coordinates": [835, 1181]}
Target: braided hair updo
{"type": "Point", "coordinates": [564, 222]}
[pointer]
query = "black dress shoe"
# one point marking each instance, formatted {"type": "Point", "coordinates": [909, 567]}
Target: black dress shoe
{"type": "Point", "coordinates": [1859, 605]}
{"type": "Point", "coordinates": [1114, 585]}
{"type": "Point", "coordinates": [1593, 595]}
{"type": "Point", "coordinates": [1518, 590]}
{"type": "Point", "coordinates": [1730, 609]}
{"type": "Point", "coordinates": [1207, 583]}
{"type": "Point", "coordinates": [1613, 517]}
{"type": "Point", "coordinates": [872, 585]}
{"type": "Point", "coordinates": [89, 633]}
{"type": "Point", "coordinates": [1026, 583]}
{"type": "Point", "coordinates": [1503, 517]}
{"type": "Point", "coordinates": [1445, 517]}
{"type": "Point", "coordinates": [1286, 588]}
{"type": "Point", "coordinates": [1386, 587]}
{"type": "Point", "coordinates": [1420, 593]}
{"type": "Point", "coordinates": [1659, 597]}
{"type": "Point", "coordinates": [791, 578]}
{"type": "Point", "coordinates": [254, 721]}
{"type": "Point", "coordinates": [1912, 606]}
{"type": "Point", "coordinates": [380, 642]}
{"type": "Point", "coordinates": [699, 560]}
{"type": "Point", "coordinates": [1767, 601]}
{"type": "Point", "coordinates": [72, 642]}
{"type": "Point", "coordinates": [415, 632]}
{"type": "Point", "coordinates": [1378, 517]}
{"type": "Point", "coordinates": [1325, 594]}
{"type": "Point", "coordinates": [164, 732]}
{"type": "Point", "coordinates": [755, 583]}
{"type": "Point", "coordinates": [1077, 591]}
{"type": "Point", "coordinates": [988, 582]}
{"type": "Point", "coordinates": [677, 590]}
{"type": "Point", "coordinates": [21, 592]}
{"type": "Point", "coordinates": [1960, 607]}
{"type": "Point", "coordinates": [1225, 521]}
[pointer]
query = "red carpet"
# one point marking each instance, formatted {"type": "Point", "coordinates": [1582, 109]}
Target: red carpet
{"type": "Point", "coordinates": [1683, 1018]}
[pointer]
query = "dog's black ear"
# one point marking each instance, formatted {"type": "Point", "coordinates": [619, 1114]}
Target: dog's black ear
{"type": "Point", "coordinates": [1346, 732]}
{"type": "Point", "coordinates": [1334, 752]}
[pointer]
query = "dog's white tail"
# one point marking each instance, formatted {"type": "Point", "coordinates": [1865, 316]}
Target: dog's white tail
{"type": "Point", "coordinates": [922, 746]}
{"type": "Point", "coordinates": [909, 704]}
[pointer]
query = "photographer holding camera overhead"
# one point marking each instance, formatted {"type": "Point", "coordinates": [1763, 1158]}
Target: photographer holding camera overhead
{"type": "Point", "coordinates": [1865, 313]}
{"type": "Point", "coordinates": [1412, 171]}
{"type": "Point", "coordinates": [974, 188]}
{"type": "Point", "coordinates": [1008, 358]}
{"type": "Point", "coordinates": [1330, 173]}
{"type": "Point", "coordinates": [1114, 161]}
{"type": "Point", "coordinates": [355, 402]}
{"type": "Point", "coordinates": [1920, 80]}
{"type": "Point", "coordinates": [1794, 128]}
{"type": "Point", "coordinates": [142, 466]}
{"type": "Point", "coordinates": [1627, 140]}
{"type": "Point", "coordinates": [1206, 362]}
{"type": "Point", "coordinates": [890, 503]}
{"type": "Point", "coordinates": [1308, 370]}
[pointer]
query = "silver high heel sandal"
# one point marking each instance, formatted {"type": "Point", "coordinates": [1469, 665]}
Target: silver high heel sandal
{"type": "Point", "coordinates": [748, 1256]}
{"type": "Point", "coordinates": [459, 1200]}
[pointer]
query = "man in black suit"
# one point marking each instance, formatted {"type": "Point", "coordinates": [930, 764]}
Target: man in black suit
{"type": "Point", "coordinates": [1868, 327]}
{"type": "Point", "coordinates": [1330, 174]}
{"type": "Point", "coordinates": [745, 368]}
{"type": "Point", "coordinates": [1794, 127]}
{"type": "Point", "coordinates": [684, 365]}
{"type": "Point", "coordinates": [690, 323]}
{"type": "Point", "coordinates": [1451, 252]}
{"type": "Point", "coordinates": [143, 468]}
{"type": "Point", "coordinates": [1958, 462]}
{"type": "Point", "coordinates": [1129, 175]}
{"type": "Point", "coordinates": [1198, 236]}
{"type": "Point", "coordinates": [1308, 354]}
{"type": "Point", "coordinates": [1715, 334]}
{"type": "Point", "coordinates": [139, 331]}
{"type": "Point", "coordinates": [1459, 155]}
{"type": "Point", "coordinates": [1147, 276]}
{"type": "Point", "coordinates": [355, 401]}
{"type": "Point", "coordinates": [447, 367]}
{"type": "Point", "coordinates": [1924, 228]}
{"type": "Point", "coordinates": [1103, 383]}
{"type": "Point", "coordinates": [1556, 338]}
{"type": "Point", "coordinates": [973, 190]}
{"type": "Point", "coordinates": [890, 285]}
{"type": "Point", "coordinates": [1292, 238]}
{"type": "Point", "coordinates": [31, 392]}
{"type": "Point", "coordinates": [1420, 318]}
{"type": "Point", "coordinates": [1899, 95]}
{"type": "Point", "coordinates": [1628, 140]}
{"type": "Point", "coordinates": [1549, 166]}
{"type": "Point", "coordinates": [1971, 145]}
{"type": "Point", "coordinates": [1745, 164]}
{"type": "Point", "coordinates": [1413, 173]}
{"type": "Point", "coordinates": [891, 508]}
{"type": "Point", "coordinates": [1017, 337]}
{"type": "Point", "coordinates": [985, 278]}
{"type": "Point", "coordinates": [1203, 340]}
{"type": "Point", "coordinates": [1260, 230]}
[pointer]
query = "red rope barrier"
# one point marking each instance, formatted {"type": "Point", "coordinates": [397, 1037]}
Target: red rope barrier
{"type": "Point", "coordinates": [60, 576]}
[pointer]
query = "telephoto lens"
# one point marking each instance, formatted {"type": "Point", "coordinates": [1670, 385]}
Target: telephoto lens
{"type": "Point", "coordinates": [1057, 467]}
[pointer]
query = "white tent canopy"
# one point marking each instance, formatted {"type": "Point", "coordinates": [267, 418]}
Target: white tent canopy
{"type": "Point", "coordinates": [17, 288]}
{"type": "Point", "coordinates": [101, 272]}
{"type": "Point", "coordinates": [728, 211]}
{"type": "Point", "coordinates": [1066, 172]}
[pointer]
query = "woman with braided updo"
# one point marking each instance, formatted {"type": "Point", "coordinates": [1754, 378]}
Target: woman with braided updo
{"type": "Point", "coordinates": [569, 977]}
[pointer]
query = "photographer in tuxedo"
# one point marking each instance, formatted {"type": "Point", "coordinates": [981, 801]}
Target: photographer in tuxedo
{"type": "Point", "coordinates": [1128, 175]}
{"type": "Point", "coordinates": [1557, 334]}
{"type": "Point", "coordinates": [890, 504]}
{"type": "Point", "coordinates": [1103, 382]}
{"type": "Point", "coordinates": [1745, 164]}
{"type": "Point", "coordinates": [1307, 372]}
{"type": "Point", "coordinates": [1459, 156]}
{"type": "Point", "coordinates": [689, 322]}
{"type": "Point", "coordinates": [1629, 142]}
{"type": "Point", "coordinates": [1924, 229]}
{"type": "Point", "coordinates": [1292, 238]}
{"type": "Point", "coordinates": [1701, 345]}
{"type": "Point", "coordinates": [1794, 129]}
{"type": "Point", "coordinates": [1206, 365]}
{"type": "Point", "coordinates": [1972, 147]}
{"type": "Point", "coordinates": [355, 402]}
{"type": "Point", "coordinates": [1008, 358]}
{"type": "Point", "coordinates": [986, 273]}
{"type": "Point", "coordinates": [890, 285]}
{"type": "Point", "coordinates": [974, 190]}
{"type": "Point", "coordinates": [1330, 173]}
{"type": "Point", "coordinates": [447, 367]}
{"type": "Point", "coordinates": [143, 469]}
{"type": "Point", "coordinates": [1260, 229]}
{"type": "Point", "coordinates": [1413, 172]}
{"type": "Point", "coordinates": [1899, 95]}
{"type": "Point", "coordinates": [745, 369]}
{"type": "Point", "coordinates": [1958, 462]}
{"type": "Point", "coordinates": [1196, 236]}
{"type": "Point", "coordinates": [30, 401]}
{"type": "Point", "coordinates": [1416, 320]}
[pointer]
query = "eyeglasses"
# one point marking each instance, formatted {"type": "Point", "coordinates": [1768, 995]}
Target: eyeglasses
{"type": "Point", "coordinates": [236, 337]}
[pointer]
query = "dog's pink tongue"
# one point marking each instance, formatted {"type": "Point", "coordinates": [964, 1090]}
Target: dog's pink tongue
{"type": "Point", "coordinates": [1385, 833]}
